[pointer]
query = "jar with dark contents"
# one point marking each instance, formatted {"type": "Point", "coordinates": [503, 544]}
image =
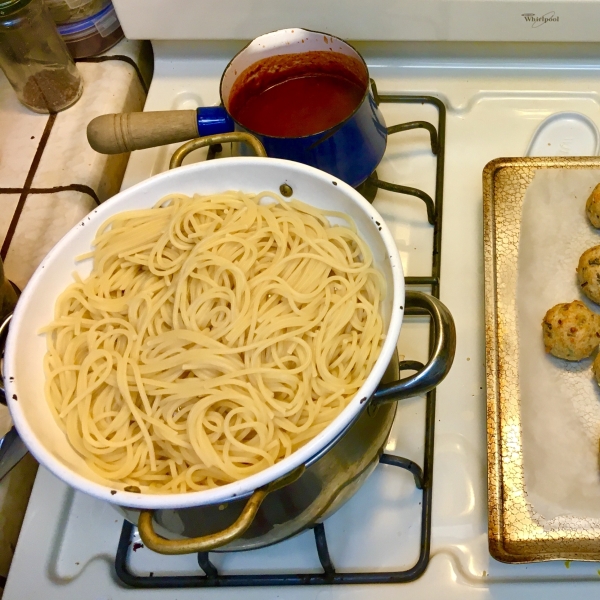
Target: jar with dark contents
{"type": "Point", "coordinates": [35, 59]}
{"type": "Point", "coordinates": [70, 11]}
{"type": "Point", "coordinates": [93, 35]}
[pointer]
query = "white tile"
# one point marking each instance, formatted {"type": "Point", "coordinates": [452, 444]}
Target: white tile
{"type": "Point", "coordinates": [44, 221]}
{"type": "Point", "coordinates": [109, 87]}
{"type": "Point", "coordinates": [20, 132]}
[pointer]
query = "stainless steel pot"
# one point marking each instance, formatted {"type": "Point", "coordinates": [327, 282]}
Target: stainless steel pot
{"type": "Point", "coordinates": [293, 493]}
{"type": "Point", "coordinates": [326, 481]}
{"type": "Point", "coordinates": [8, 295]}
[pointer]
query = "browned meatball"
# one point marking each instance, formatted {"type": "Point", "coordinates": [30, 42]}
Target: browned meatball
{"type": "Point", "coordinates": [588, 273]}
{"type": "Point", "coordinates": [592, 207]}
{"type": "Point", "coordinates": [571, 330]}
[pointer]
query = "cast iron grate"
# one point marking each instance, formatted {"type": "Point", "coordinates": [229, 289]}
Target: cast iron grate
{"type": "Point", "coordinates": [422, 475]}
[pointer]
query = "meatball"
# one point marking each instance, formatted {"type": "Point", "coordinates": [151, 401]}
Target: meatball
{"type": "Point", "coordinates": [571, 330]}
{"type": "Point", "coordinates": [592, 207]}
{"type": "Point", "coordinates": [588, 273]}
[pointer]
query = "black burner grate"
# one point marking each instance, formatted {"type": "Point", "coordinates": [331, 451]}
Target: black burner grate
{"type": "Point", "coordinates": [422, 476]}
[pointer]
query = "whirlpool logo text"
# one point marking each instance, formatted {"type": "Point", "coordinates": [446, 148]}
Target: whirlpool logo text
{"type": "Point", "coordinates": [537, 21]}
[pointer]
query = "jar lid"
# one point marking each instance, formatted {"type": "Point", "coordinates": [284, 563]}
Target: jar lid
{"type": "Point", "coordinates": [69, 3]}
{"type": "Point", "coordinates": [85, 24]}
{"type": "Point", "coordinates": [7, 7]}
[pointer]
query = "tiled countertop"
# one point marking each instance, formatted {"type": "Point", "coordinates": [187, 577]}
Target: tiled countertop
{"type": "Point", "coordinates": [49, 175]}
{"type": "Point", "coordinates": [49, 179]}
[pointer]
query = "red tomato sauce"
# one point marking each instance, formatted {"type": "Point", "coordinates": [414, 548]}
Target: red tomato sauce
{"type": "Point", "coordinates": [300, 106]}
{"type": "Point", "coordinates": [298, 94]}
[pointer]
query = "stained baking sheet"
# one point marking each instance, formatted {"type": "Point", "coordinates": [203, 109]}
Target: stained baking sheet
{"type": "Point", "coordinates": [560, 400]}
{"type": "Point", "coordinates": [543, 413]}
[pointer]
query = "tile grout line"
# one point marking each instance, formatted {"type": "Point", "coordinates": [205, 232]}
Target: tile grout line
{"type": "Point", "coordinates": [120, 57]}
{"type": "Point", "coordinates": [72, 187]}
{"type": "Point", "coordinates": [27, 186]}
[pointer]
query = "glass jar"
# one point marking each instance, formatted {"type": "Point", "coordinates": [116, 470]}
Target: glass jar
{"type": "Point", "coordinates": [70, 11]}
{"type": "Point", "coordinates": [94, 35]}
{"type": "Point", "coordinates": [35, 59]}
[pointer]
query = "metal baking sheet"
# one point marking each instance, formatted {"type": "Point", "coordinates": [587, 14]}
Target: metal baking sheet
{"type": "Point", "coordinates": [515, 534]}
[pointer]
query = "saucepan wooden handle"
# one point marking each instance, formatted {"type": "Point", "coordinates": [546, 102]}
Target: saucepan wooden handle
{"type": "Point", "coordinates": [124, 132]}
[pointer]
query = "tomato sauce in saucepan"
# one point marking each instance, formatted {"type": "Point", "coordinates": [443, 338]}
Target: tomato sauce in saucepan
{"type": "Point", "coordinates": [296, 95]}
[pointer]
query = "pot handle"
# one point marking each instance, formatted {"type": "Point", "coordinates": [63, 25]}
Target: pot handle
{"type": "Point", "coordinates": [205, 543]}
{"type": "Point", "coordinates": [219, 138]}
{"type": "Point", "coordinates": [440, 361]}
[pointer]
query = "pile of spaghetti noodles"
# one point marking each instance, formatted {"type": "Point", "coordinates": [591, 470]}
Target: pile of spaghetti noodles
{"type": "Point", "coordinates": [214, 336]}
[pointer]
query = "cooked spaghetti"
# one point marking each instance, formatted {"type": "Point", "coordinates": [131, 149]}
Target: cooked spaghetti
{"type": "Point", "coordinates": [214, 336]}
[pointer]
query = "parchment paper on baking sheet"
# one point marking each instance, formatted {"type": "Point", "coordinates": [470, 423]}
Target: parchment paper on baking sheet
{"type": "Point", "coordinates": [560, 400]}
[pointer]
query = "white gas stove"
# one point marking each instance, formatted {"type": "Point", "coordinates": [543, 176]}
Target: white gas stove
{"type": "Point", "coordinates": [495, 97]}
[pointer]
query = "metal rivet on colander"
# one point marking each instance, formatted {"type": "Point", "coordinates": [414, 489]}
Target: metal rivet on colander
{"type": "Point", "coordinates": [286, 190]}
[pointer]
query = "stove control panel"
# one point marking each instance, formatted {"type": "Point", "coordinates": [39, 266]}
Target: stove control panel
{"type": "Point", "coordinates": [381, 20]}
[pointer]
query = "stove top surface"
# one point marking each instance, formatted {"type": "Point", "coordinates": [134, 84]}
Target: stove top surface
{"type": "Point", "coordinates": [68, 542]}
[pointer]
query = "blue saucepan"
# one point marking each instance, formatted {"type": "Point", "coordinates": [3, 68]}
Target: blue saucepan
{"type": "Point", "coordinates": [349, 149]}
